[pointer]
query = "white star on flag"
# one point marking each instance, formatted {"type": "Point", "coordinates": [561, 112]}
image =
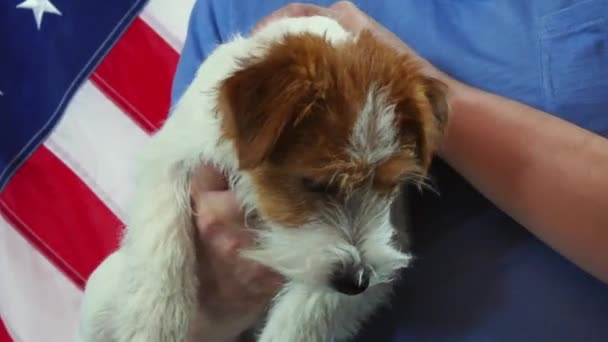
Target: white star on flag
{"type": "Point", "coordinates": [39, 7]}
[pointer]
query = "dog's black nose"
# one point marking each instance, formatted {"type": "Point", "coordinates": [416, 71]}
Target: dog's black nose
{"type": "Point", "coordinates": [350, 281]}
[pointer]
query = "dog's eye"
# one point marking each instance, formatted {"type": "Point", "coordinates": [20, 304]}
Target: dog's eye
{"type": "Point", "coordinates": [313, 186]}
{"type": "Point", "coordinates": [318, 187]}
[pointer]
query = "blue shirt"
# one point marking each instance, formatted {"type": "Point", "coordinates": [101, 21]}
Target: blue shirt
{"type": "Point", "coordinates": [480, 276]}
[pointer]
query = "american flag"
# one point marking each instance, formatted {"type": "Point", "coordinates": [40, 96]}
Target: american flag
{"type": "Point", "coordinates": [82, 85]}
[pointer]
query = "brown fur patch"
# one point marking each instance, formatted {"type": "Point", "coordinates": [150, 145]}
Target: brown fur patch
{"type": "Point", "coordinates": [391, 173]}
{"type": "Point", "coordinates": [291, 114]}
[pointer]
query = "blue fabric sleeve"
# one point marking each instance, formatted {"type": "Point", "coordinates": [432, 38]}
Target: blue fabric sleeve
{"type": "Point", "coordinates": [205, 31]}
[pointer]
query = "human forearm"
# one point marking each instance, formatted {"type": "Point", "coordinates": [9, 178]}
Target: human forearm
{"type": "Point", "coordinates": [547, 174]}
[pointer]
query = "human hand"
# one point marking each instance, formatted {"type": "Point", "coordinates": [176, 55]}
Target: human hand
{"type": "Point", "coordinates": [355, 21]}
{"type": "Point", "coordinates": [233, 291]}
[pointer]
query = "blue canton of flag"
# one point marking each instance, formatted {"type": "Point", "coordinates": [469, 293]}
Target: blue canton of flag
{"type": "Point", "coordinates": [48, 48]}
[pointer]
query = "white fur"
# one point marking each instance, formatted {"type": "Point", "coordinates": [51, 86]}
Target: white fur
{"type": "Point", "coordinates": [374, 137]}
{"type": "Point", "coordinates": [146, 291]}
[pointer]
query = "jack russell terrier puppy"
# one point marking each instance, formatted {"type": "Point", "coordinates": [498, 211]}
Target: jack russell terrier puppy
{"type": "Point", "coordinates": [317, 130]}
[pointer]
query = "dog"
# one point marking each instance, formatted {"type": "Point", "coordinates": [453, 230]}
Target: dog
{"type": "Point", "coordinates": [317, 130]}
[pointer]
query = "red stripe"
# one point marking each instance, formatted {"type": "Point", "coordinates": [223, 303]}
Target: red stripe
{"type": "Point", "coordinates": [137, 75]}
{"type": "Point", "coordinates": [4, 336]}
{"type": "Point", "coordinates": [60, 215]}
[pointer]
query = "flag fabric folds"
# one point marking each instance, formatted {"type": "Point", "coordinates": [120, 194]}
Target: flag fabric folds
{"type": "Point", "coordinates": [82, 86]}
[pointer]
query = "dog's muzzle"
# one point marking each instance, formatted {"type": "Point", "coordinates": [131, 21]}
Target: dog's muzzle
{"type": "Point", "coordinates": [350, 280]}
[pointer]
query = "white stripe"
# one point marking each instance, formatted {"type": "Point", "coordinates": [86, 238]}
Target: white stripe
{"type": "Point", "coordinates": [99, 142]}
{"type": "Point", "coordinates": [37, 301]}
{"type": "Point", "coordinates": [169, 18]}
{"type": "Point", "coordinates": [374, 137]}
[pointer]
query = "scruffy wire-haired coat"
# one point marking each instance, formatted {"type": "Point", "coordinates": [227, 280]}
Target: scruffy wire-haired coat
{"type": "Point", "coordinates": [317, 130]}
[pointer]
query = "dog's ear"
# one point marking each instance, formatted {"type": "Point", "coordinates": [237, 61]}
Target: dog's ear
{"type": "Point", "coordinates": [424, 116]}
{"type": "Point", "coordinates": [268, 95]}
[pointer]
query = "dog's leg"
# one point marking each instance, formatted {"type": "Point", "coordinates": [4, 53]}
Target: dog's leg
{"type": "Point", "coordinates": [161, 287]}
{"type": "Point", "coordinates": [145, 291]}
{"type": "Point", "coordinates": [152, 295]}
{"type": "Point", "coordinates": [100, 299]}
{"type": "Point", "coordinates": [156, 298]}
{"type": "Point", "coordinates": [305, 314]}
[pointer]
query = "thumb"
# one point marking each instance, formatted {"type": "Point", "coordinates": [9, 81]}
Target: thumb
{"type": "Point", "coordinates": [291, 11]}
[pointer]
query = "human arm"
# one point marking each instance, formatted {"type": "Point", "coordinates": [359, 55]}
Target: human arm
{"type": "Point", "coordinates": [233, 292]}
{"type": "Point", "coordinates": [476, 145]}
{"type": "Point", "coordinates": [549, 175]}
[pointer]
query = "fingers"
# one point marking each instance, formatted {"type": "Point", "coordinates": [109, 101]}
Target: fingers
{"type": "Point", "coordinates": [222, 245]}
{"type": "Point", "coordinates": [219, 221]}
{"type": "Point", "coordinates": [207, 178]}
{"type": "Point", "coordinates": [343, 9]}
{"type": "Point", "coordinates": [345, 12]}
{"type": "Point", "coordinates": [343, 6]}
{"type": "Point", "coordinates": [259, 280]}
{"type": "Point", "coordinates": [299, 10]}
{"type": "Point", "coordinates": [215, 209]}
{"type": "Point", "coordinates": [291, 11]}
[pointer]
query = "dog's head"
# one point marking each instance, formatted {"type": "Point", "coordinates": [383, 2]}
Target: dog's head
{"type": "Point", "coordinates": [326, 133]}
